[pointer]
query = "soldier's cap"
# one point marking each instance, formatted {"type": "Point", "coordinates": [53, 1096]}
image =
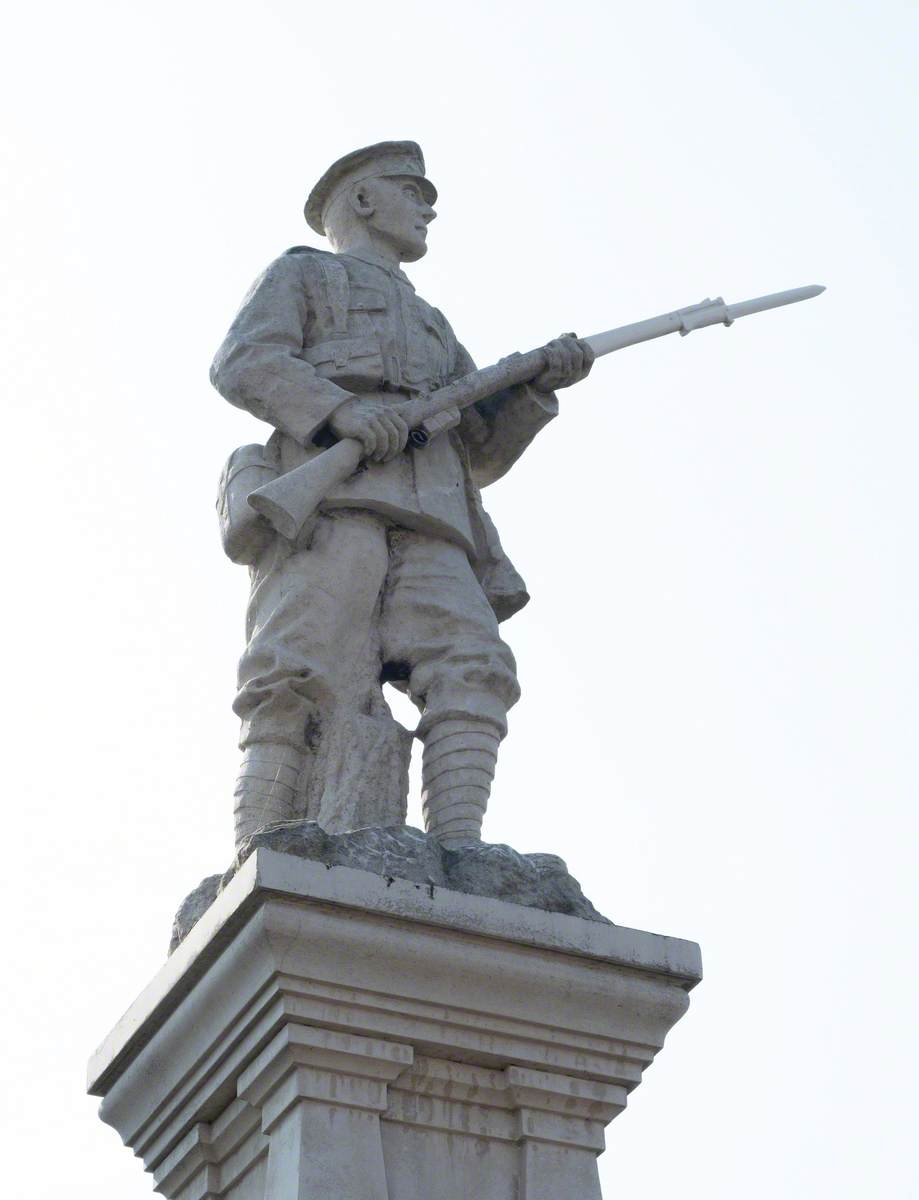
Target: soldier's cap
{"type": "Point", "coordinates": [380, 161]}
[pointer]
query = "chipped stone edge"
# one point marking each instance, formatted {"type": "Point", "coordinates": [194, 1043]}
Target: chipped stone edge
{"type": "Point", "coordinates": [269, 873]}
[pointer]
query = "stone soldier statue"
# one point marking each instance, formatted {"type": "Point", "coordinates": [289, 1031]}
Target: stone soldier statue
{"type": "Point", "coordinates": [403, 578]}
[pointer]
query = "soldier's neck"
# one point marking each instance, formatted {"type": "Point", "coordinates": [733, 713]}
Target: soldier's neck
{"type": "Point", "coordinates": [364, 243]}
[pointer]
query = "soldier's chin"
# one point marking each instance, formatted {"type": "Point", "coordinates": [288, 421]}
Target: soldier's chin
{"type": "Point", "coordinates": [415, 251]}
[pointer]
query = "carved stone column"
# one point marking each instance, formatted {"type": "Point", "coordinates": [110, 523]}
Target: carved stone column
{"type": "Point", "coordinates": [320, 1094]}
{"type": "Point", "coordinates": [329, 1032]}
{"type": "Point", "coordinates": [561, 1132]}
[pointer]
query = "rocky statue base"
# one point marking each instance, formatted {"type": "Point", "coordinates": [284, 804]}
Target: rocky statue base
{"type": "Point", "coordinates": [327, 1031]}
{"type": "Point", "coordinates": [402, 852]}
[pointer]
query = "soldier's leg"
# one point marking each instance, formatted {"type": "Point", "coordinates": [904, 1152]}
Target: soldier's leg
{"type": "Point", "coordinates": [310, 618]}
{"type": "Point", "coordinates": [437, 622]}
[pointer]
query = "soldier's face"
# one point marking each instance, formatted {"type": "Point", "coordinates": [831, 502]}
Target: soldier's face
{"type": "Point", "coordinates": [400, 216]}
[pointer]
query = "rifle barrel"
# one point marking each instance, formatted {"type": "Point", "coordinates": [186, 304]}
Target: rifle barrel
{"type": "Point", "coordinates": [631, 335]}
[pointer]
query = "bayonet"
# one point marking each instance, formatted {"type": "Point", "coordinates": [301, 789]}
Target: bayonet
{"type": "Point", "coordinates": [696, 316]}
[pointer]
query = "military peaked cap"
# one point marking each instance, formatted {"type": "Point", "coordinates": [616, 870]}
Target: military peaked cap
{"type": "Point", "coordinates": [372, 162]}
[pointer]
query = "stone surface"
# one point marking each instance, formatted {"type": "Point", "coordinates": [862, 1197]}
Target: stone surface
{"type": "Point", "coordinates": [193, 908]}
{"type": "Point", "coordinates": [396, 573]}
{"type": "Point", "coordinates": [326, 1032]}
{"type": "Point", "coordinates": [533, 880]}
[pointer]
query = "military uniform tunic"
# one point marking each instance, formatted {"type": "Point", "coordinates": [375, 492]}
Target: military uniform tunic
{"type": "Point", "coordinates": [393, 573]}
{"type": "Point", "coordinates": [318, 327]}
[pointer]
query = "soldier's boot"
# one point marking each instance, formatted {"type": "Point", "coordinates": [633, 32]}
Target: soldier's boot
{"type": "Point", "coordinates": [266, 788]}
{"type": "Point", "coordinates": [458, 766]}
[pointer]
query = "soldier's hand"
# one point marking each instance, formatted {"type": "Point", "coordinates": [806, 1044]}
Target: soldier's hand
{"type": "Point", "coordinates": [375, 423]}
{"type": "Point", "coordinates": [569, 361]}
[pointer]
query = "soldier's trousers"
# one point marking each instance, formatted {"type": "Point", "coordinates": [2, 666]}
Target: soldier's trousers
{"type": "Point", "coordinates": [324, 621]}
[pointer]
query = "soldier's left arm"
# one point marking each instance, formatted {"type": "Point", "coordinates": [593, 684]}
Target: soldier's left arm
{"type": "Point", "coordinates": [496, 431]}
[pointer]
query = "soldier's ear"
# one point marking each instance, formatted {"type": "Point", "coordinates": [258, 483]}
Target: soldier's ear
{"type": "Point", "coordinates": [361, 199]}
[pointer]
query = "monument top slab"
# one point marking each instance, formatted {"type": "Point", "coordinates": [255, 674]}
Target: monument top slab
{"type": "Point", "coordinates": [267, 875]}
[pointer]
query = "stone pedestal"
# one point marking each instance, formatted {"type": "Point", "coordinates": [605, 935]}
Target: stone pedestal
{"type": "Point", "coordinates": [330, 1033]}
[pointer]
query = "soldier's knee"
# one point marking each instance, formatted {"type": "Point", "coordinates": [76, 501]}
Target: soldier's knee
{"type": "Point", "coordinates": [281, 705]}
{"type": "Point", "coordinates": [476, 683]}
{"type": "Point", "coordinates": [484, 664]}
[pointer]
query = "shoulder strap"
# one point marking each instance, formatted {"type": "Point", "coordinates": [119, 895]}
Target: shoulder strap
{"type": "Point", "coordinates": [336, 285]}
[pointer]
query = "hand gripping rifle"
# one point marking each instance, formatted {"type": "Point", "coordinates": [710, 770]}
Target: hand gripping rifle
{"type": "Point", "coordinates": [289, 501]}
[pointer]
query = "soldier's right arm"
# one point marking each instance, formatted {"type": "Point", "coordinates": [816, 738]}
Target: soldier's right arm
{"type": "Point", "coordinates": [259, 366]}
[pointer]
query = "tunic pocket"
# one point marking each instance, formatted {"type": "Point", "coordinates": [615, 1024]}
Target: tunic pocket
{"type": "Point", "coordinates": [364, 299]}
{"type": "Point", "coordinates": [366, 308]}
{"type": "Point", "coordinates": [355, 363]}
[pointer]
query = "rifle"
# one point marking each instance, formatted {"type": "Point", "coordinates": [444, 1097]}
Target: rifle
{"type": "Point", "coordinates": [289, 501]}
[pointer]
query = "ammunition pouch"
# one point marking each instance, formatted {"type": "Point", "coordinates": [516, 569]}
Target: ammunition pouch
{"type": "Point", "coordinates": [243, 532]}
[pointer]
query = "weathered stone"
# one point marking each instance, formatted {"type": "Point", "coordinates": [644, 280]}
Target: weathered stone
{"type": "Point", "coordinates": [534, 880]}
{"type": "Point", "coordinates": [401, 852]}
{"type": "Point", "coordinates": [388, 568]}
{"type": "Point", "coordinates": [326, 1031]}
{"type": "Point", "coordinates": [397, 852]}
{"type": "Point", "coordinates": [193, 908]}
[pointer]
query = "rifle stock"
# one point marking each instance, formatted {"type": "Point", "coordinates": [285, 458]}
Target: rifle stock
{"type": "Point", "coordinates": [289, 501]}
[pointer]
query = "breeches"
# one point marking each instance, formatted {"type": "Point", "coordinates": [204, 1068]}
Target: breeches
{"type": "Point", "coordinates": [324, 622]}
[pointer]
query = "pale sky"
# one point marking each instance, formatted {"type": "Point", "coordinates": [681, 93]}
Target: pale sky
{"type": "Point", "coordinates": [719, 663]}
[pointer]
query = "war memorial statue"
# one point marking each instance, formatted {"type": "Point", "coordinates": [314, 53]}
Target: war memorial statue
{"type": "Point", "coordinates": [398, 575]}
{"type": "Point", "coordinates": [402, 577]}
{"type": "Point", "coordinates": [357, 1009]}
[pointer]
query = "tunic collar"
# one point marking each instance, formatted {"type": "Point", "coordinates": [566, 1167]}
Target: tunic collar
{"type": "Point", "coordinates": [376, 260]}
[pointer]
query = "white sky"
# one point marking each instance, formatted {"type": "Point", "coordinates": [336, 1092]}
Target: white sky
{"type": "Point", "coordinates": [720, 659]}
